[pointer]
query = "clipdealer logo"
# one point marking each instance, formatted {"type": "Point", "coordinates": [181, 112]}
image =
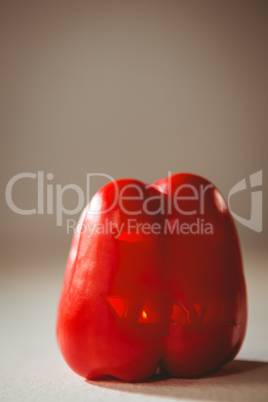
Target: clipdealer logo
{"type": "Point", "coordinates": [47, 192]}
{"type": "Point", "coordinates": [255, 220]}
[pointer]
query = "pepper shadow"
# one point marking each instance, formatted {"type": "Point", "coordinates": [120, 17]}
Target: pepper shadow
{"type": "Point", "coordinates": [239, 380]}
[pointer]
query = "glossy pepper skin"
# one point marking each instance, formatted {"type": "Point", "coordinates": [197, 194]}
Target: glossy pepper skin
{"type": "Point", "coordinates": [133, 301]}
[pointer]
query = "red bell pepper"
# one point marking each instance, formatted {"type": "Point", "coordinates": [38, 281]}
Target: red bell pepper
{"type": "Point", "coordinates": [154, 279]}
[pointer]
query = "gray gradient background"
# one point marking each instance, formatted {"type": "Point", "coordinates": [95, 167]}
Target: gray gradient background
{"type": "Point", "coordinates": [131, 89]}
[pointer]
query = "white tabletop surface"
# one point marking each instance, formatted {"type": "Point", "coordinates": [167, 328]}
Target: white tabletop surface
{"type": "Point", "coordinates": [32, 369]}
